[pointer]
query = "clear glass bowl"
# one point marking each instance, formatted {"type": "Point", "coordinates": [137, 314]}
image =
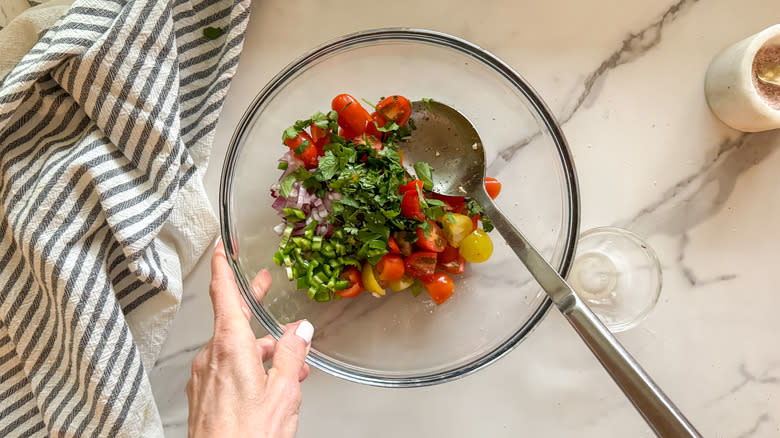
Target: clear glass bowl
{"type": "Point", "coordinates": [402, 340]}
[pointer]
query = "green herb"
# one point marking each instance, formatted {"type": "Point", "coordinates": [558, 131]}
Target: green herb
{"type": "Point", "coordinates": [212, 33]}
{"type": "Point", "coordinates": [427, 101]}
{"type": "Point", "coordinates": [302, 147]}
{"type": "Point", "coordinates": [368, 103]}
{"type": "Point", "coordinates": [474, 208]}
{"type": "Point", "coordinates": [424, 173]}
{"type": "Point", "coordinates": [289, 133]}
{"type": "Point", "coordinates": [282, 165]}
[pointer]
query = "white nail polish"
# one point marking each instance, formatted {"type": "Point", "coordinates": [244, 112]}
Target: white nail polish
{"type": "Point", "coordinates": [305, 331]}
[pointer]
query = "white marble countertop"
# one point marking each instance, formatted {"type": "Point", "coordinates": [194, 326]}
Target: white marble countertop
{"type": "Point", "coordinates": [625, 79]}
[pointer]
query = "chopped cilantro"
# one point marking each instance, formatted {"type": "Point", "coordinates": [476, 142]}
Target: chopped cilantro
{"type": "Point", "coordinates": [286, 185]}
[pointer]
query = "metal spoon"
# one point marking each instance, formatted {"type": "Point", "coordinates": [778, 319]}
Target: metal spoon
{"type": "Point", "coordinates": [447, 141]}
{"type": "Point", "coordinates": [769, 74]}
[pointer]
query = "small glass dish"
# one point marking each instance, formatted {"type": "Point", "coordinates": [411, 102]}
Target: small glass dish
{"type": "Point", "coordinates": [401, 340]}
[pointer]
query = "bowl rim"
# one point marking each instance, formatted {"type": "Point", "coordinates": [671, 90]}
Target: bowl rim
{"type": "Point", "coordinates": [436, 38]}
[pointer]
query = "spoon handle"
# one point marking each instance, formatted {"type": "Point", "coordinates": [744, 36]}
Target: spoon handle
{"type": "Point", "coordinates": [656, 408]}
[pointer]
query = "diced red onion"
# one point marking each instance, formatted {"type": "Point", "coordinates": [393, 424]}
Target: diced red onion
{"type": "Point", "coordinates": [280, 228]}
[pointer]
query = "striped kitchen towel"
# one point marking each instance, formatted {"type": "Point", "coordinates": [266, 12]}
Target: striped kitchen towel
{"type": "Point", "coordinates": [106, 126]}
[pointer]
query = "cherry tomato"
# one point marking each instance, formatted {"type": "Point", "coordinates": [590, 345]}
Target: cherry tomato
{"type": "Point", "coordinates": [411, 185]}
{"type": "Point", "coordinates": [370, 282]}
{"type": "Point", "coordinates": [439, 287]}
{"type": "Point", "coordinates": [455, 204]}
{"type": "Point", "coordinates": [310, 154]}
{"type": "Point", "coordinates": [371, 128]}
{"type": "Point", "coordinates": [475, 220]}
{"type": "Point", "coordinates": [320, 137]}
{"type": "Point", "coordinates": [403, 245]}
{"type": "Point", "coordinates": [476, 247]}
{"type": "Point", "coordinates": [434, 240]}
{"type": "Point", "coordinates": [352, 275]}
{"type": "Point", "coordinates": [456, 226]}
{"type": "Point", "coordinates": [372, 141]}
{"type": "Point", "coordinates": [394, 249]}
{"type": "Point", "coordinates": [390, 268]}
{"type": "Point", "coordinates": [410, 205]}
{"type": "Point", "coordinates": [395, 108]}
{"type": "Point", "coordinates": [493, 187]}
{"type": "Point", "coordinates": [352, 116]}
{"type": "Point", "coordinates": [421, 264]}
{"type": "Point", "coordinates": [451, 261]}
{"type": "Point", "coordinates": [302, 136]}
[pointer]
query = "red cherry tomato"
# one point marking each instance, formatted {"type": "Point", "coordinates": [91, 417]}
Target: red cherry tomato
{"type": "Point", "coordinates": [455, 204]}
{"type": "Point", "coordinates": [475, 220]}
{"type": "Point", "coordinates": [372, 141]}
{"type": "Point", "coordinates": [320, 137]}
{"type": "Point", "coordinates": [371, 128]}
{"type": "Point", "coordinates": [390, 268]}
{"type": "Point", "coordinates": [352, 275]}
{"type": "Point", "coordinates": [434, 240]}
{"type": "Point", "coordinates": [421, 264]}
{"type": "Point", "coordinates": [439, 287]}
{"type": "Point", "coordinates": [310, 154]}
{"type": "Point", "coordinates": [410, 205]}
{"type": "Point", "coordinates": [395, 108]}
{"type": "Point", "coordinates": [451, 261]}
{"type": "Point", "coordinates": [411, 185]}
{"type": "Point", "coordinates": [352, 116]}
{"type": "Point", "coordinates": [493, 187]}
{"type": "Point", "coordinates": [394, 249]}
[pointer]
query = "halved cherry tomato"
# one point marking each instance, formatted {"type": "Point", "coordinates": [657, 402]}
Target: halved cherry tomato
{"type": "Point", "coordinates": [394, 249]}
{"type": "Point", "coordinates": [433, 240]}
{"type": "Point", "coordinates": [455, 204]}
{"type": "Point", "coordinates": [320, 136]}
{"type": "Point", "coordinates": [475, 220]}
{"type": "Point", "coordinates": [352, 116]}
{"type": "Point", "coordinates": [352, 275]}
{"type": "Point", "coordinates": [370, 282]}
{"type": "Point", "coordinates": [456, 226]}
{"type": "Point", "coordinates": [451, 261]}
{"type": "Point", "coordinates": [396, 108]}
{"type": "Point", "coordinates": [439, 287]}
{"type": "Point", "coordinates": [310, 154]}
{"type": "Point", "coordinates": [493, 187]}
{"type": "Point", "coordinates": [376, 121]}
{"type": "Point", "coordinates": [403, 245]}
{"type": "Point", "coordinates": [402, 283]}
{"type": "Point", "coordinates": [390, 268]}
{"type": "Point", "coordinates": [411, 185]}
{"type": "Point", "coordinates": [421, 264]}
{"type": "Point", "coordinates": [410, 205]}
{"type": "Point", "coordinates": [372, 141]}
{"type": "Point", "coordinates": [302, 136]}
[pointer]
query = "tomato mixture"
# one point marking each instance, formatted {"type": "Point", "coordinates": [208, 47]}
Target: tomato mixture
{"type": "Point", "coordinates": [354, 220]}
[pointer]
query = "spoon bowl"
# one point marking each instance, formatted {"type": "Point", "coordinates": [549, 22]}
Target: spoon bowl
{"type": "Point", "coordinates": [449, 142]}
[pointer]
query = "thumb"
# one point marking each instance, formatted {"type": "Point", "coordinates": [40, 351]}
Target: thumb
{"type": "Point", "coordinates": [289, 360]}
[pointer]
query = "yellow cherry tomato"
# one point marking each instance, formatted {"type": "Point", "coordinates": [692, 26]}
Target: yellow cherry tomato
{"type": "Point", "coordinates": [402, 283]}
{"type": "Point", "coordinates": [456, 228]}
{"type": "Point", "coordinates": [370, 283]}
{"type": "Point", "coordinates": [476, 247]}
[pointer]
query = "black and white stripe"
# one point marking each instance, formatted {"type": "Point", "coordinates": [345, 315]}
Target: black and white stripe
{"type": "Point", "coordinates": [102, 124]}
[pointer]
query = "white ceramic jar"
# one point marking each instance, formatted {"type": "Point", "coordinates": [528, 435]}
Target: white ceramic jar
{"type": "Point", "coordinates": [730, 85]}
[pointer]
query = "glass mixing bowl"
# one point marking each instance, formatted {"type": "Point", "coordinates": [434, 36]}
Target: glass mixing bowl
{"type": "Point", "coordinates": [402, 340]}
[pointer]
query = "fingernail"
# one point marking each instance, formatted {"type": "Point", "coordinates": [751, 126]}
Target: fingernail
{"type": "Point", "coordinates": [305, 331]}
{"type": "Point", "coordinates": [217, 242]}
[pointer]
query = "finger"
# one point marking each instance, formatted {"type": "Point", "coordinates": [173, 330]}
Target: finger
{"type": "Point", "coordinates": [304, 373]}
{"type": "Point", "coordinates": [266, 346]}
{"type": "Point", "coordinates": [224, 292]}
{"type": "Point", "coordinates": [291, 351]}
{"type": "Point", "coordinates": [260, 284]}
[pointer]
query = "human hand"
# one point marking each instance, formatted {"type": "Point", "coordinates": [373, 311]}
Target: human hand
{"type": "Point", "coordinates": [229, 391]}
